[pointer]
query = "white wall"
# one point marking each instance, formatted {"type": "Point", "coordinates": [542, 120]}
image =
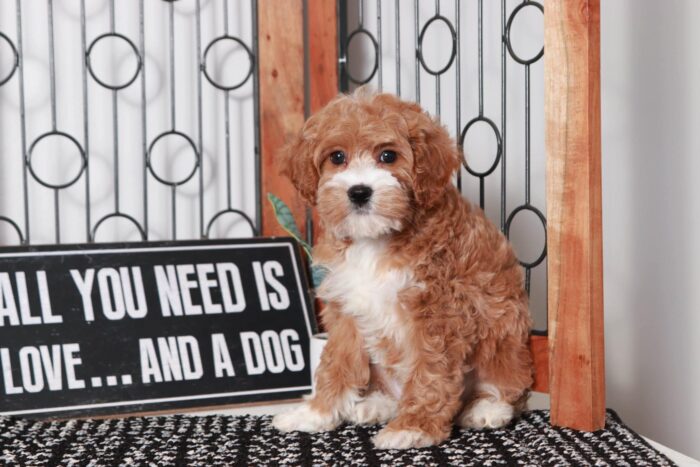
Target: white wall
{"type": "Point", "coordinates": [651, 216]}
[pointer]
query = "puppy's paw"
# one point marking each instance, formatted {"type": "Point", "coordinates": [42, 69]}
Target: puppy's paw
{"type": "Point", "coordinates": [486, 413]}
{"type": "Point", "coordinates": [389, 438]}
{"type": "Point", "coordinates": [304, 418]}
{"type": "Point", "coordinates": [375, 408]}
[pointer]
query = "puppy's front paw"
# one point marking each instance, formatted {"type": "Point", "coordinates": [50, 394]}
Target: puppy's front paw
{"type": "Point", "coordinates": [304, 418]}
{"type": "Point", "coordinates": [389, 438]}
{"type": "Point", "coordinates": [375, 408]}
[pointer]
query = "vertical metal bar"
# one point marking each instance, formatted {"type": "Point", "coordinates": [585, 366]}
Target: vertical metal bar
{"type": "Point", "coordinates": [481, 58]}
{"type": "Point", "coordinates": [397, 26]}
{"type": "Point", "coordinates": [527, 134]}
{"type": "Point", "coordinates": [416, 22]}
{"type": "Point", "coordinates": [144, 132]}
{"type": "Point", "coordinates": [343, 84]}
{"type": "Point", "coordinates": [379, 46]}
{"type": "Point", "coordinates": [458, 91]}
{"type": "Point", "coordinates": [86, 126]}
{"type": "Point", "coordinates": [52, 65]}
{"type": "Point", "coordinates": [57, 218]}
{"type": "Point", "coordinates": [225, 3]}
{"type": "Point", "coordinates": [308, 215]}
{"type": "Point", "coordinates": [227, 145]}
{"type": "Point", "coordinates": [115, 122]}
{"type": "Point", "coordinates": [437, 77]}
{"type": "Point", "coordinates": [504, 52]}
{"type": "Point", "coordinates": [171, 21]}
{"type": "Point", "coordinates": [23, 123]}
{"type": "Point", "coordinates": [173, 208]}
{"type": "Point", "coordinates": [256, 118]}
{"type": "Point", "coordinates": [361, 12]}
{"type": "Point", "coordinates": [200, 133]}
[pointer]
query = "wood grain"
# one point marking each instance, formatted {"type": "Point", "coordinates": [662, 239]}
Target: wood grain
{"type": "Point", "coordinates": [539, 347]}
{"type": "Point", "coordinates": [574, 230]}
{"type": "Point", "coordinates": [281, 75]}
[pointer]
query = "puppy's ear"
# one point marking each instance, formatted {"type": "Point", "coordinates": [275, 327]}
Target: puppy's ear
{"type": "Point", "coordinates": [297, 164]}
{"type": "Point", "coordinates": [435, 153]}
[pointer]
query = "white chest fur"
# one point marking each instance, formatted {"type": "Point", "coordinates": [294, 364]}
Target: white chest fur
{"type": "Point", "coordinates": [369, 292]}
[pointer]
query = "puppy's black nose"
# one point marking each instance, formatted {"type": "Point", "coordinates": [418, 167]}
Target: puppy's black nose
{"type": "Point", "coordinates": [359, 194]}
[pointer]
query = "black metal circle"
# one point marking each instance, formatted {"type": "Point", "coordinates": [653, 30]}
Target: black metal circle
{"type": "Point", "coordinates": [231, 211]}
{"type": "Point", "coordinates": [14, 225]}
{"type": "Point", "coordinates": [499, 145]}
{"type": "Point", "coordinates": [133, 47]}
{"type": "Point", "coordinates": [16, 55]}
{"type": "Point", "coordinates": [75, 143]}
{"type": "Point", "coordinates": [150, 154]}
{"type": "Point", "coordinates": [508, 29]}
{"type": "Point", "coordinates": [531, 208]}
{"type": "Point", "coordinates": [119, 215]}
{"type": "Point", "coordinates": [453, 53]}
{"type": "Point", "coordinates": [365, 32]}
{"type": "Point", "coordinates": [250, 63]}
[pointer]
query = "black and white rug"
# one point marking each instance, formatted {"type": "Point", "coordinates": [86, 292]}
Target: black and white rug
{"type": "Point", "coordinates": [247, 441]}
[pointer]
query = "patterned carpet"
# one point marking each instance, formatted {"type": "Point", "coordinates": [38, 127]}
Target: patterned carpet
{"type": "Point", "coordinates": [249, 440]}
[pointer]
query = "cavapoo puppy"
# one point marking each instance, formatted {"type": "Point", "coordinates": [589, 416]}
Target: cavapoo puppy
{"type": "Point", "coordinates": [426, 313]}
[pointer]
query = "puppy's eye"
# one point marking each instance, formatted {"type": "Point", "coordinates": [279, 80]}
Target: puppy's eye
{"type": "Point", "coordinates": [387, 157]}
{"type": "Point", "coordinates": [337, 157]}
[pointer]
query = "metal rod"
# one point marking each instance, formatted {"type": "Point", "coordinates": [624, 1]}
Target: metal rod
{"type": "Point", "coordinates": [527, 134]}
{"type": "Point", "coordinates": [379, 47]}
{"type": "Point", "coordinates": [86, 126]}
{"type": "Point", "coordinates": [23, 122]}
{"type": "Point", "coordinates": [227, 145]}
{"type": "Point", "coordinates": [173, 207]}
{"type": "Point", "coordinates": [458, 92]}
{"type": "Point", "coordinates": [144, 129]}
{"type": "Point", "coordinates": [504, 52]}
{"type": "Point", "coordinates": [171, 18]}
{"type": "Point", "coordinates": [52, 66]}
{"type": "Point", "coordinates": [481, 58]}
{"type": "Point", "coordinates": [397, 27]}
{"type": "Point", "coordinates": [417, 31]}
{"type": "Point", "coordinates": [115, 122]}
{"type": "Point", "coordinates": [200, 126]}
{"type": "Point", "coordinates": [361, 12]}
{"type": "Point", "coordinates": [57, 217]}
{"type": "Point", "coordinates": [256, 117]}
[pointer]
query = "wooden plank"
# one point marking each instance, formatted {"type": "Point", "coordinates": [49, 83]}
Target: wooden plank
{"type": "Point", "coordinates": [575, 263]}
{"type": "Point", "coordinates": [281, 76]}
{"type": "Point", "coordinates": [540, 357]}
{"type": "Point", "coordinates": [323, 52]}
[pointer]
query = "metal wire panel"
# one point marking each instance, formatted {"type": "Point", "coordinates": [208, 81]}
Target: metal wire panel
{"type": "Point", "coordinates": [132, 120]}
{"type": "Point", "coordinates": [476, 65]}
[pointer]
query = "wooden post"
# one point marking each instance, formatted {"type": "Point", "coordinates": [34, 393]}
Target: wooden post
{"type": "Point", "coordinates": [575, 261]}
{"type": "Point", "coordinates": [281, 74]}
{"type": "Point", "coordinates": [281, 68]}
{"type": "Point", "coordinates": [323, 52]}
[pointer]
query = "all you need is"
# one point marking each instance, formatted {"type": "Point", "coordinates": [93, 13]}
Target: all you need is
{"type": "Point", "coordinates": [182, 290]}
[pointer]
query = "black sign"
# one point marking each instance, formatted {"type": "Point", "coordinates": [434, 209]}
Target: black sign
{"type": "Point", "coordinates": [114, 328]}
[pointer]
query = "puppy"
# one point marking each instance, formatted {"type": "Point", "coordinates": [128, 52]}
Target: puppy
{"type": "Point", "coordinates": [426, 313]}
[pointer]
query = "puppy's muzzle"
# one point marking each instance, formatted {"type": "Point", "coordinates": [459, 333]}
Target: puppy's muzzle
{"type": "Point", "coordinates": [359, 194]}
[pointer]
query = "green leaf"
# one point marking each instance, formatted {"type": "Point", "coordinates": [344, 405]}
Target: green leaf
{"type": "Point", "coordinates": [286, 221]}
{"type": "Point", "coordinates": [318, 273]}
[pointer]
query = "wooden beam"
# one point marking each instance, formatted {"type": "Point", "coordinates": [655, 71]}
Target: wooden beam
{"type": "Point", "coordinates": [540, 357]}
{"type": "Point", "coordinates": [281, 76]}
{"type": "Point", "coordinates": [574, 224]}
{"type": "Point", "coordinates": [323, 52]}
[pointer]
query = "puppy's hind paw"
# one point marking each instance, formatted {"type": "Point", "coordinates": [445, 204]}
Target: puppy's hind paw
{"type": "Point", "coordinates": [375, 408]}
{"type": "Point", "coordinates": [304, 418]}
{"type": "Point", "coordinates": [389, 438]}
